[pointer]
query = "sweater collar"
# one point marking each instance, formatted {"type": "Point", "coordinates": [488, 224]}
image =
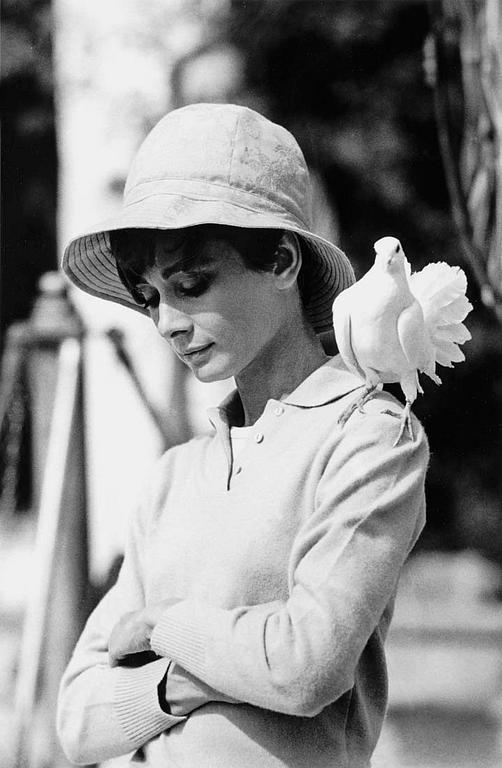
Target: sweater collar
{"type": "Point", "coordinates": [329, 382]}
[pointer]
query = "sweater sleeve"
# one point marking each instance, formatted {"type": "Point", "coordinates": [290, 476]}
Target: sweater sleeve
{"type": "Point", "coordinates": [300, 655]}
{"type": "Point", "coordinates": [105, 711]}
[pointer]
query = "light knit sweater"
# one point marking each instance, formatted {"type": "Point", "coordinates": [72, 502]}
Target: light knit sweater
{"type": "Point", "coordinates": [286, 564]}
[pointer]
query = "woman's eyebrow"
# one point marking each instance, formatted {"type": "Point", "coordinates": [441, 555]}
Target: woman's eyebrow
{"type": "Point", "coordinates": [185, 265]}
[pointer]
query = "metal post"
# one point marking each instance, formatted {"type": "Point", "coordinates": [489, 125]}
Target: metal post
{"type": "Point", "coordinates": [57, 605]}
{"type": "Point", "coordinates": [52, 320]}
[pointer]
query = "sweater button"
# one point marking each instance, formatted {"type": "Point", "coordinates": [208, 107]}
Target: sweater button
{"type": "Point", "coordinates": [278, 410]}
{"type": "Point", "coordinates": [258, 438]}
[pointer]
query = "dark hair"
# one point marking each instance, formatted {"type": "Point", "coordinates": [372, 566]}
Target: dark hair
{"type": "Point", "coordinates": [134, 250]}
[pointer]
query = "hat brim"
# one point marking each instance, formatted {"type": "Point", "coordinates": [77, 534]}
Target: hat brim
{"type": "Point", "coordinates": [90, 264]}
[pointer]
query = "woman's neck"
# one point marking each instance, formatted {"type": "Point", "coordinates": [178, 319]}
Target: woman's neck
{"type": "Point", "coordinates": [292, 356]}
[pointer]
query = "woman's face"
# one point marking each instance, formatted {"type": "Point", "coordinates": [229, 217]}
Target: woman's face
{"type": "Point", "coordinates": [217, 315]}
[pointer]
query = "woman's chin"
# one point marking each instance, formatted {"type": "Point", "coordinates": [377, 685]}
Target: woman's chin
{"type": "Point", "coordinates": [211, 372]}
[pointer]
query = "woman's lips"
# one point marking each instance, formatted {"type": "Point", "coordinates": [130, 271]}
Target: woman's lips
{"type": "Point", "coordinates": [197, 354]}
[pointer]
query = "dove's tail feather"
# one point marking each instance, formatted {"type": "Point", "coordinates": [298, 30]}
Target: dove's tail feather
{"type": "Point", "coordinates": [440, 290]}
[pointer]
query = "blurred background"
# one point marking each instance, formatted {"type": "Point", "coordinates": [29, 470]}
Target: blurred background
{"type": "Point", "coordinates": [397, 105]}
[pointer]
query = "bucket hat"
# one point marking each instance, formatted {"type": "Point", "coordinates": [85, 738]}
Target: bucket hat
{"type": "Point", "coordinates": [214, 164]}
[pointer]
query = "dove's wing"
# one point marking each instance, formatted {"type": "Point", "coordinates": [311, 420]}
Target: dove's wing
{"type": "Point", "coordinates": [411, 335]}
{"type": "Point", "coordinates": [343, 333]}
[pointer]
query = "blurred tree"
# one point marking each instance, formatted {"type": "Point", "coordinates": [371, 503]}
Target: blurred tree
{"type": "Point", "coordinates": [465, 55]}
{"type": "Point", "coordinates": [346, 78]}
{"type": "Point", "coordinates": [464, 65]}
{"type": "Point", "coordinates": [29, 160]}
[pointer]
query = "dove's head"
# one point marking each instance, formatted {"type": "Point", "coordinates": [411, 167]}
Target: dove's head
{"type": "Point", "coordinates": [389, 255]}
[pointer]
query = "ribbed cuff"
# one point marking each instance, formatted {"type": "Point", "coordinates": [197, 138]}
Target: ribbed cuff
{"type": "Point", "coordinates": [177, 635]}
{"type": "Point", "coordinates": [223, 648]}
{"type": "Point", "coordinates": [137, 702]}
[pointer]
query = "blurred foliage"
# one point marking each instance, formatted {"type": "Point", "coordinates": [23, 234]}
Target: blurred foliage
{"type": "Point", "coordinates": [347, 79]}
{"type": "Point", "coordinates": [29, 162]}
{"type": "Point", "coordinates": [465, 51]}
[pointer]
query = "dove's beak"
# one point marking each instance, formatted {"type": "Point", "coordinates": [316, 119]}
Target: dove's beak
{"type": "Point", "coordinates": [386, 258]}
{"type": "Point", "coordinates": [392, 255]}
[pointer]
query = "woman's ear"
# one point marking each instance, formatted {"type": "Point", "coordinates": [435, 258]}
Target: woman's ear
{"type": "Point", "coordinates": [288, 260]}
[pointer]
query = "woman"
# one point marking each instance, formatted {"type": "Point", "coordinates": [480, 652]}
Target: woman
{"type": "Point", "coordinates": [247, 625]}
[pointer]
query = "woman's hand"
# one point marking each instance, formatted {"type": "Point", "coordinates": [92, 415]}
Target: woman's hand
{"type": "Point", "coordinates": [131, 634]}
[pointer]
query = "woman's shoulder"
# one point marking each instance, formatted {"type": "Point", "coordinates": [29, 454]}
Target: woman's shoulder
{"type": "Point", "coordinates": [385, 411]}
{"type": "Point", "coordinates": [327, 394]}
{"type": "Point", "coordinates": [383, 428]}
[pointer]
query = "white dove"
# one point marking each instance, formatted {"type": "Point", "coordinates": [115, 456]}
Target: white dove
{"type": "Point", "coordinates": [391, 324]}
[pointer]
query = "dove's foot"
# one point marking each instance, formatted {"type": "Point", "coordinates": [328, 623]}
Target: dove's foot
{"type": "Point", "coordinates": [358, 404]}
{"type": "Point", "coordinates": [405, 420]}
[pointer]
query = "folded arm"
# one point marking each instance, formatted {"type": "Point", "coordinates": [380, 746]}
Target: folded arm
{"type": "Point", "coordinates": [300, 655]}
{"type": "Point", "coordinates": [106, 710]}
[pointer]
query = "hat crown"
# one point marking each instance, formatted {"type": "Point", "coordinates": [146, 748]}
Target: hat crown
{"type": "Point", "coordinates": [224, 150]}
{"type": "Point", "coordinates": [214, 164]}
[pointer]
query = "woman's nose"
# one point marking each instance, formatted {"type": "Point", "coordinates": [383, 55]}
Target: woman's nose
{"type": "Point", "coordinates": [171, 321]}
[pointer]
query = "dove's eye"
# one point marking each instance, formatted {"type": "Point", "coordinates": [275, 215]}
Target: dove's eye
{"type": "Point", "coordinates": [397, 248]}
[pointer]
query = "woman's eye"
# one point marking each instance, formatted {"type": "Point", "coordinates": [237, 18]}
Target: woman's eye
{"type": "Point", "coordinates": [193, 286]}
{"type": "Point", "coordinates": [146, 295]}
